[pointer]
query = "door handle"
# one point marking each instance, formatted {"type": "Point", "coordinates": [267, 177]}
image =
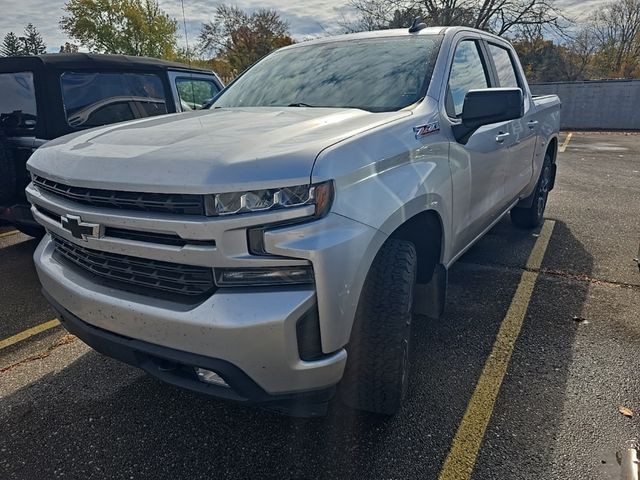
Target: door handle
{"type": "Point", "coordinates": [532, 124]}
{"type": "Point", "coordinates": [500, 138]}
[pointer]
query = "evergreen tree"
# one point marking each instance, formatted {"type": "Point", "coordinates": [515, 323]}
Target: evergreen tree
{"type": "Point", "coordinates": [34, 45]}
{"type": "Point", "coordinates": [11, 46]}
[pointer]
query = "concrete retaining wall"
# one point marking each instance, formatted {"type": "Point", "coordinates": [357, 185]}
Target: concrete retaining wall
{"type": "Point", "coordinates": [596, 105]}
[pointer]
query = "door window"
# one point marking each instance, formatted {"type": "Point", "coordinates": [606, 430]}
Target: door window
{"type": "Point", "coordinates": [194, 93]}
{"type": "Point", "coordinates": [92, 99]}
{"type": "Point", "coordinates": [504, 66]}
{"type": "Point", "coordinates": [17, 102]}
{"type": "Point", "coordinates": [467, 73]}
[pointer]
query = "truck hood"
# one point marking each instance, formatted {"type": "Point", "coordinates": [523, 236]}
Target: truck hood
{"type": "Point", "coordinates": [204, 152]}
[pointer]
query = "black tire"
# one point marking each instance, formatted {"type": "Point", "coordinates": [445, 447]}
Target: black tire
{"type": "Point", "coordinates": [8, 180]}
{"type": "Point", "coordinates": [533, 216]}
{"type": "Point", "coordinates": [376, 374]}
{"type": "Point", "coordinates": [32, 231]}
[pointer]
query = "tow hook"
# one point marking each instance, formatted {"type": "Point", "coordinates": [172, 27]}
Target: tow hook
{"type": "Point", "coordinates": [628, 460]}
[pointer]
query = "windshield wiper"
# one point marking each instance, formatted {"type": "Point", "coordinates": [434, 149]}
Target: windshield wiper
{"type": "Point", "coordinates": [300, 104]}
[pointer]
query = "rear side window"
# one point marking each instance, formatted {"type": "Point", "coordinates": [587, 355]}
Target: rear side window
{"type": "Point", "coordinates": [194, 93]}
{"type": "Point", "coordinates": [504, 66]}
{"type": "Point", "coordinates": [17, 102]}
{"type": "Point", "coordinates": [467, 73]}
{"type": "Point", "coordinates": [92, 99]}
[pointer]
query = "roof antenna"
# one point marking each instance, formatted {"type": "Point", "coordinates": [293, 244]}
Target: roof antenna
{"type": "Point", "coordinates": [186, 35]}
{"type": "Point", "coordinates": [417, 25]}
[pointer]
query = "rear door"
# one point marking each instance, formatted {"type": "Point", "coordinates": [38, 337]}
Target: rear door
{"type": "Point", "coordinates": [478, 167]}
{"type": "Point", "coordinates": [523, 132]}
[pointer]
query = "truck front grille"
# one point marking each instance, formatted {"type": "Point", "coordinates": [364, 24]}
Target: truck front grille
{"type": "Point", "coordinates": [150, 275]}
{"type": "Point", "coordinates": [184, 204]}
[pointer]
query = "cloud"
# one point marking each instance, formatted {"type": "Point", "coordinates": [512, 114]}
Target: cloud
{"type": "Point", "coordinates": [306, 17]}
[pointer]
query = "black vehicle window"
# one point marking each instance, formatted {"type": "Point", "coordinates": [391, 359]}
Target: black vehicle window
{"type": "Point", "coordinates": [504, 66]}
{"type": "Point", "coordinates": [92, 99]}
{"type": "Point", "coordinates": [194, 93]}
{"type": "Point", "coordinates": [467, 73]}
{"type": "Point", "coordinates": [17, 102]}
{"type": "Point", "coordinates": [381, 74]}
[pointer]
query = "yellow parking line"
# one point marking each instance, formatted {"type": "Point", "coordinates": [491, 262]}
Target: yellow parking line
{"type": "Point", "coordinates": [8, 234]}
{"type": "Point", "coordinates": [30, 332]}
{"type": "Point", "coordinates": [564, 146]}
{"type": "Point", "coordinates": [461, 459]}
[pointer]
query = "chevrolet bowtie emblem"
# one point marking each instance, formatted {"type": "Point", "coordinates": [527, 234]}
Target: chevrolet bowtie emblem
{"type": "Point", "coordinates": [78, 228]}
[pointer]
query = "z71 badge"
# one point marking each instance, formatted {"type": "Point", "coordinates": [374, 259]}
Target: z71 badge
{"type": "Point", "coordinates": [427, 129]}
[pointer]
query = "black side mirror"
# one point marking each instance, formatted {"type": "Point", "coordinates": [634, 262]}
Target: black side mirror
{"type": "Point", "coordinates": [484, 107]}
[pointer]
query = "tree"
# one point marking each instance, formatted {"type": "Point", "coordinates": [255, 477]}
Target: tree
{"type": "Point", "coordinates": [33, 43]}
{"type": "Point", "coordinates": [69, 48]}
{"type": "Point", "coordinates": [11, 46]}
{"type": "Point", "coordinates": [616, 28]}
{"type": "Point", "coordinates": [128, 27]}
{"type": "Point", "coordinates": [240, 39]}
{"type": "Point", "coordinates": [496, 16]}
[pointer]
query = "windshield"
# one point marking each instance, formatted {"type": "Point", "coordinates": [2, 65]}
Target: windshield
{"type": "Point", "coordinates": [17, 102]}
{"type": "Point", "coordinates": [380, 74]}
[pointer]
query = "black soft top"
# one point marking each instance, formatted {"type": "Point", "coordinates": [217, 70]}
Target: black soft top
{"type": "Point", "coordinates": [59, 61]}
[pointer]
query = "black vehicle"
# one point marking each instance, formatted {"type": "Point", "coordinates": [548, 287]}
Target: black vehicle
{"type": "Point", "coordinates": [47, 96]}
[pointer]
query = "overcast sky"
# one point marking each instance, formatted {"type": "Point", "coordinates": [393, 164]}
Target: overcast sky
{"type": "Point", "coordinates": [305, 17]}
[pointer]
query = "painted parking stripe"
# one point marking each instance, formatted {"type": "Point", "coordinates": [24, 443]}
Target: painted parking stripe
{"type": "Point", "coordinates": [564, 146]}
{"type": "Point", "coordinates": [9, 234]}
{"type": "Point", "coordinates": [30, 332]}
{"type": "Point", "coordinates": [461, 459]}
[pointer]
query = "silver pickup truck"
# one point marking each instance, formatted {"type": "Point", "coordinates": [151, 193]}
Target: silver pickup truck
{"type": "Point", "coordinates": [274, 249]}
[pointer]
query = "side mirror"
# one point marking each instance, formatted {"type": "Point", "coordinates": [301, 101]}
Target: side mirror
{"type": "Point", "coordinates": [484, 107]}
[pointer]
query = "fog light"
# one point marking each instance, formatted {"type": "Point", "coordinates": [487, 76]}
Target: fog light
{"type": "Point", "coordinates": [249, 277]}
{"type": "Point", "coordinates": [208, 376]}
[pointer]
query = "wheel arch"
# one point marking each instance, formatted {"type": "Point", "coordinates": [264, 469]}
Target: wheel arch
{"type": "Point", "coordinates": [425, 230]}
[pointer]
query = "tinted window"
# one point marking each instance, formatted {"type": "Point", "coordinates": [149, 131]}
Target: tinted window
{"type": "Point", "coordinates": [467, 73]}
{"type": "Point", "coordinates": [194, 93]}
{"type": "Point", "coordinates": [504, 66]}
{"type": "Point", "coordinates": [17, 102]}
{"type": "Point", "coordinates": [379, 74]}
{"type": "Point", "coordinates": [94, 99]}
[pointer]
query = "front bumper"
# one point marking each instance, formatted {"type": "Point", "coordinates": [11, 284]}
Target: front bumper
{"type": "Point", "coordinates": [253, 329]}
{"type": "Point", "coordinates": [177, 368]}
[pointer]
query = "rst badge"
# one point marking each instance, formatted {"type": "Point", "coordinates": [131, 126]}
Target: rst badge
{"type": "Point", "coordinates": [426, 129]}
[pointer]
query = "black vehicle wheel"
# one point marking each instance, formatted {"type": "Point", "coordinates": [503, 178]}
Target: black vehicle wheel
{"type": "Point", "coordinates": [8, 178]}
{"type": "Point", "coordinates": [32, 231]}
{"type": "Point", "coordinates": [376, 375]}
{"type": "Point", "coordinates": [532, 216]}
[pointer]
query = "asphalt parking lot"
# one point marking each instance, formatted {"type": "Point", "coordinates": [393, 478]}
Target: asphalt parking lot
{"type": "Point", "coordinates": [66, 411]}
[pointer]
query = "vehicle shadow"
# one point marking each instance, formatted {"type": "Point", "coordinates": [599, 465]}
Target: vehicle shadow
{"type": "Point", "coordinates": [98, 418]}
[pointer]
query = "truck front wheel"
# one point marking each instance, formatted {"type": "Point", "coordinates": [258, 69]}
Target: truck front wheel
{"type": "Point", "coordinates": [376, 375]}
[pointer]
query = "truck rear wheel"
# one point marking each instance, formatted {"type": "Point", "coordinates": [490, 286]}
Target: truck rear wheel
{"type": "Point", "coordinates": [531, 217]}
{"type": "Point", "coordinates": [7, 173]}
{"type": "Point", "coordinates": [376, 375]}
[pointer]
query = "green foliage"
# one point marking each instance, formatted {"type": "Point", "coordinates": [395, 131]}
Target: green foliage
{"type": "Point", "coordinates": [239, 39]}
{"type": "Point", "coordinates": [33, 43]}
{"type": "Point", "coordinates": [128, 27]}
{"type": "Point", "coordinates": [11, 46]}
{"type": "Point", "coordinates": [29, 44]}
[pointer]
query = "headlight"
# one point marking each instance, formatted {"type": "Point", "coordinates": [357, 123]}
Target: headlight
{"type": "Point", "coordinates": [234, 203]}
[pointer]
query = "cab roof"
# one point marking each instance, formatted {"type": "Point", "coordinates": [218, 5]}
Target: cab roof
{"type": "Point", "coordinates": [60, 61]}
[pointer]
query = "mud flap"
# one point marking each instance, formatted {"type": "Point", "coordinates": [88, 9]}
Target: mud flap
{"type": "Point", "coordinates": [430, 298]}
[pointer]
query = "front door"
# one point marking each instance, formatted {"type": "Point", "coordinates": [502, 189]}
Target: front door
{"type": "Point", "coordinates": [477, 168]}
